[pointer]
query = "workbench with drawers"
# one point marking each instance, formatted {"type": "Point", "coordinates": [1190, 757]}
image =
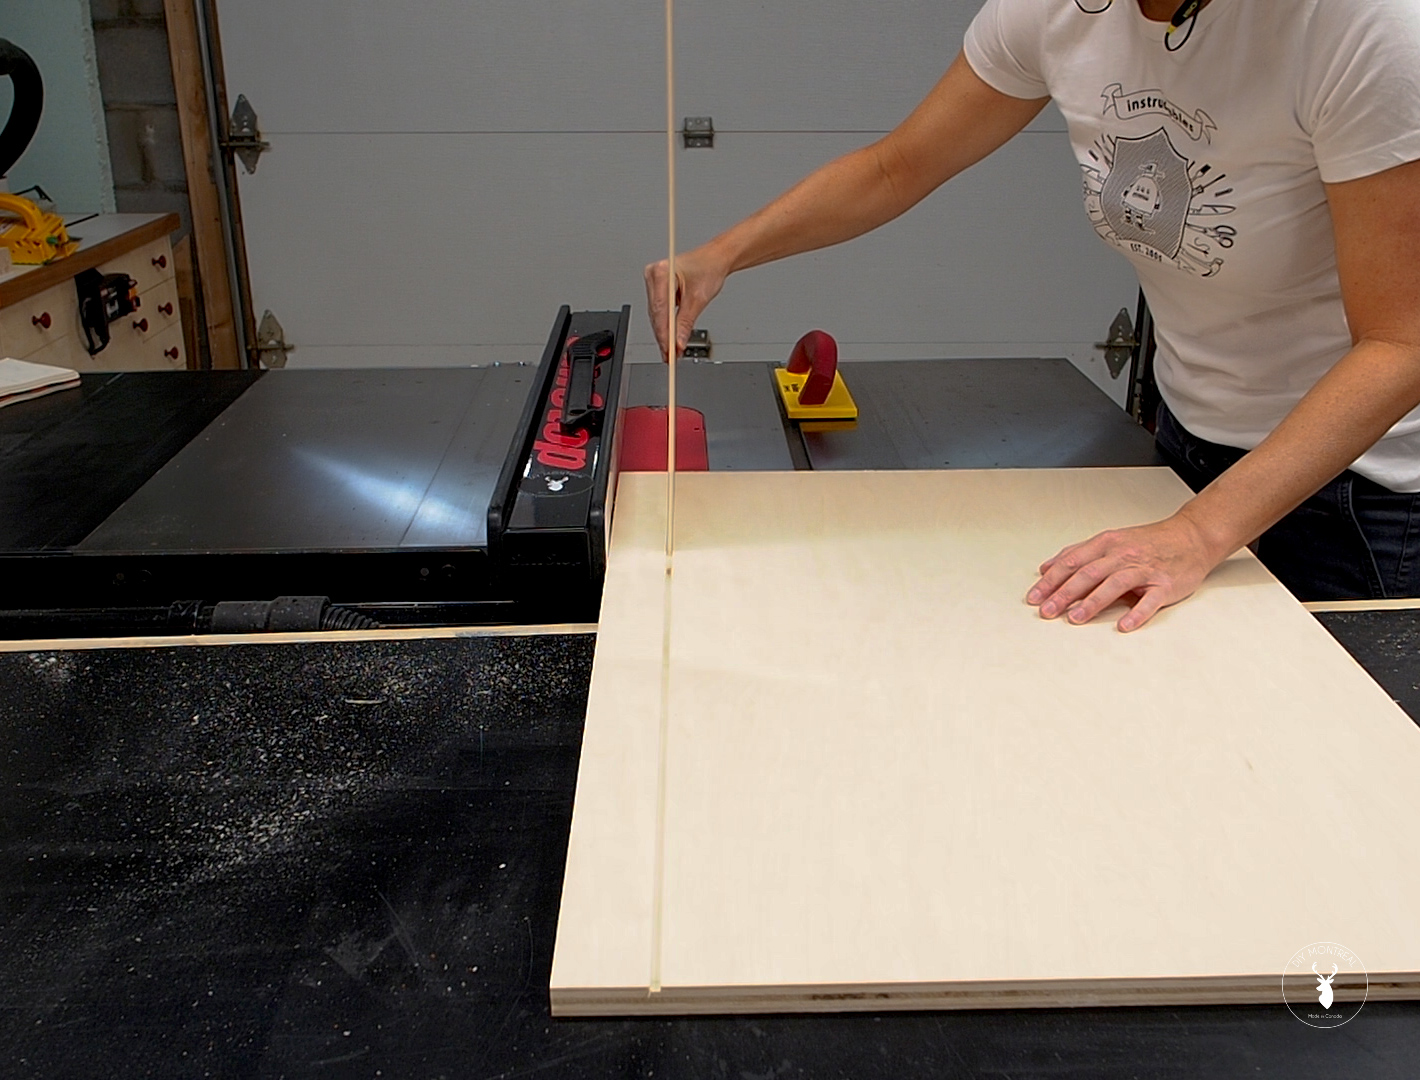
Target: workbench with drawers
{"type": "Point", "coordinates": [39, 307]}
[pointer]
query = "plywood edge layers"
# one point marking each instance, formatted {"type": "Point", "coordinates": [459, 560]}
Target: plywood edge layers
{"type": "Point", "coordinates": [1317, 607]}
{"type": "Point", "coordinates": [1262, 989]}
{"type": "Point", "coordinates": [321, 636]}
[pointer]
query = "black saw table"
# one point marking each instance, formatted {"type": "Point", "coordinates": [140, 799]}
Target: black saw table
{"type": "Point", "coordinates": [344, 858]}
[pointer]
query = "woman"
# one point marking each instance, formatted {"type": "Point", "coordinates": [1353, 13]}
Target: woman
{"type": "Point", "coordinates": [1259, 164]}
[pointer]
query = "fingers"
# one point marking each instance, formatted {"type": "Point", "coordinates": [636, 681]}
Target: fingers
{"type": "Point", "coordinates": [1150, 566]}
{"type": "Point", "coordinates": [1054, 572]}
{"type": "Point", "coordinates": [1145, 609]}
{"type": "Point", "coordinates": [699, 278]}
{"type": "Point", "coordinates": [1094, 598]}
{"type": "Point", "coordinates": [656, 297]}
{"type": "Point", "coordinates": [685, 323]}
{"type": "Point", "coordinates": [656, 302]}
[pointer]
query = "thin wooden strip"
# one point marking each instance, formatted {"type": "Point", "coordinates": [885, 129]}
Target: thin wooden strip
{"type": "Point", "coordinates": [671, 289]}
{"type": "Point", "coordinates": [663, 731]}
{"type": "Point", "coordinates": [1408, 603]}
{"type": "Point", "coordinates": [33, 282]}
{"type": "Point", "coordinates": [324, 636]}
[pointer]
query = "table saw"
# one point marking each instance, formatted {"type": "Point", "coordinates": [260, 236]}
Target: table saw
{"type": "Point", "coordinates": [344, 858]}
{"type": "Point", "coordinates": [141, 503]}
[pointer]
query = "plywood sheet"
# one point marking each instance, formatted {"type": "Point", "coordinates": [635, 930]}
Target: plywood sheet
{"type": "Point", "coordinates": [881, 781]}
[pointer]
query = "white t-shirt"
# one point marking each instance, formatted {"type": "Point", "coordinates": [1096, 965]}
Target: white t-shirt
{"type": "Point", "coordinates": [1205, 167]}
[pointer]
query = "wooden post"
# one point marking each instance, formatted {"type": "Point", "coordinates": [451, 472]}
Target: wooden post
{"type": "Point", "coordinates": [186, 276]}
{"type": "Point", "coordinates": [219, 293]}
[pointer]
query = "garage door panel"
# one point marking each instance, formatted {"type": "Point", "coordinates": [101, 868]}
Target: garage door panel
{"type": "Point", "coordinates": [391, 240]}
{"type": "Point", "coordinates": [476, 239]}
{"type": "Point", "coordinates": [447, 65]}
{"type": "Point", "coordinates": [837, 65]}
{"type": "Point", "coordinates": [1003, 253]}
{"type": "Point", "coordinates": [588, 65]}
{"type": "Point", "coordinates": [442, 175]}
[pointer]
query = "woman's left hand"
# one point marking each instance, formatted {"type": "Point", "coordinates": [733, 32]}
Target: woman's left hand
{"type": "Point", "coordinates": [1149, 566]}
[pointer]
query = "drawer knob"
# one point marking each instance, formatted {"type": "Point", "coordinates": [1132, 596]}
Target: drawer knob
{"type": "Point", "coordinates": [172, 354]}
{"type": "Point", "coordinates": [42, 320]}
{"type": "Point", "coordinates": [161, 262]}
{"type": "Point", "coordinates": [166, 309]}
{"type": "Point", "coordinates": [141, 326]}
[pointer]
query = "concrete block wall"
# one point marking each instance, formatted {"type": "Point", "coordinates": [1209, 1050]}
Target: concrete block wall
{"type": "Point", "coordinates": [140, 107]}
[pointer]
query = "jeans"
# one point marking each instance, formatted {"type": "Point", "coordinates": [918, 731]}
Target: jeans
{"type": "Point", "coordinates": [1352, 540]}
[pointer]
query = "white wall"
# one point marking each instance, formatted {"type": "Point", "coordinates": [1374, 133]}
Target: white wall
{"type": "Point", "coordinates": [69, 156]}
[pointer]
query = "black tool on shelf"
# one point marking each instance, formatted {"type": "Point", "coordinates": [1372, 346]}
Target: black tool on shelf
{"type": "Point", "coordinates": [103, 299]}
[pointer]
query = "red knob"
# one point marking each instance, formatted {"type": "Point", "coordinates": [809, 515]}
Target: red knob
{"type": "Point", "coordinates": [172, 354]}
{"type": "Point", "coordinates": [141, 326]}
{"type": "Point", "coordinates": [166, 309]}
{"type": "Point", "coordinates": [161, 262]}
{"type": "Point", "coordinates": [43, 321]}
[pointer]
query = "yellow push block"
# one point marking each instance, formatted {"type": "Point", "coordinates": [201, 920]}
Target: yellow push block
{"type": "Point", "coordinates": [33, 236]}
{"type": "Point", "coordinates": [839, 405]}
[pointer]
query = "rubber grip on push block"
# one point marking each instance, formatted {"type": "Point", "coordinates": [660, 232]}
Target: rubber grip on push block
{"type": "Point", "coordinates": [816, 353]}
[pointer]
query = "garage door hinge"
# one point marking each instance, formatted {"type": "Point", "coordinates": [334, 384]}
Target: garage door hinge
{"type": "Point", "coordinates": [1119, 349]}
{"type": "Point", "coordinates": [244, 136]}
{"type": "Point", "coordinates": [271, 346]}
{"type": "Point", "coordinates": [698, 133]}
{"type": "Point", "coordinates": [699, 345]}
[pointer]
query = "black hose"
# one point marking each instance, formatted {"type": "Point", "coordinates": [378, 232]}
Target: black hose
{"type": "Point", "coordinates": [285, 614]}
{"type": "Point", "coordinates": [339, 618]}
{"type": "Point", "coordinates": [29, 103]}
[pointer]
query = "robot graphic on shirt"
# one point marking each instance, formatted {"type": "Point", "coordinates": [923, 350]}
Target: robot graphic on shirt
{"type": "Point", "coordinates": [1147, 198]}
{"type": "Point", "coordinates": [1142, 199]}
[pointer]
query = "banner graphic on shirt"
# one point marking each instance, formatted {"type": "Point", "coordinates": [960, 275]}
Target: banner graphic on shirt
{"type": "Point", "coordinates": [1144, 196]}
{"type": "Point", "coordinates": [1198, 125]}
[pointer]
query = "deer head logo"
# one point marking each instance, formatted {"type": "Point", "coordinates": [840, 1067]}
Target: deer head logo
{"type": "Point", "coordinates": [1302, 995]}
{"type": "Point", "coordinates": [1323, 985]}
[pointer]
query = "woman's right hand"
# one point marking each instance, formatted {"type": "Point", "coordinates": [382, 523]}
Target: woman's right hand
{"type": "Point", "coordinates": [699, 279]}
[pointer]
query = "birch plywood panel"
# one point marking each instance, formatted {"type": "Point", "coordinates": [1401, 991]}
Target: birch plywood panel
{"type": "Point", "coordinates": [886, 783]}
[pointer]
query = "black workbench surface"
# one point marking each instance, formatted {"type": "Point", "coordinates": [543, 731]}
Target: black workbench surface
{"type": "Point", "coordinates": [344, 860]}
{"type": "Point", "coordinates": [69, 459]}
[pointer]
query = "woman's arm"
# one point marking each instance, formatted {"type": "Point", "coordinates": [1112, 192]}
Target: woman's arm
{"type": "Point", "coordinates": [1377, 225]}
{"type": "Point", "coordinates": [960, 122]}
